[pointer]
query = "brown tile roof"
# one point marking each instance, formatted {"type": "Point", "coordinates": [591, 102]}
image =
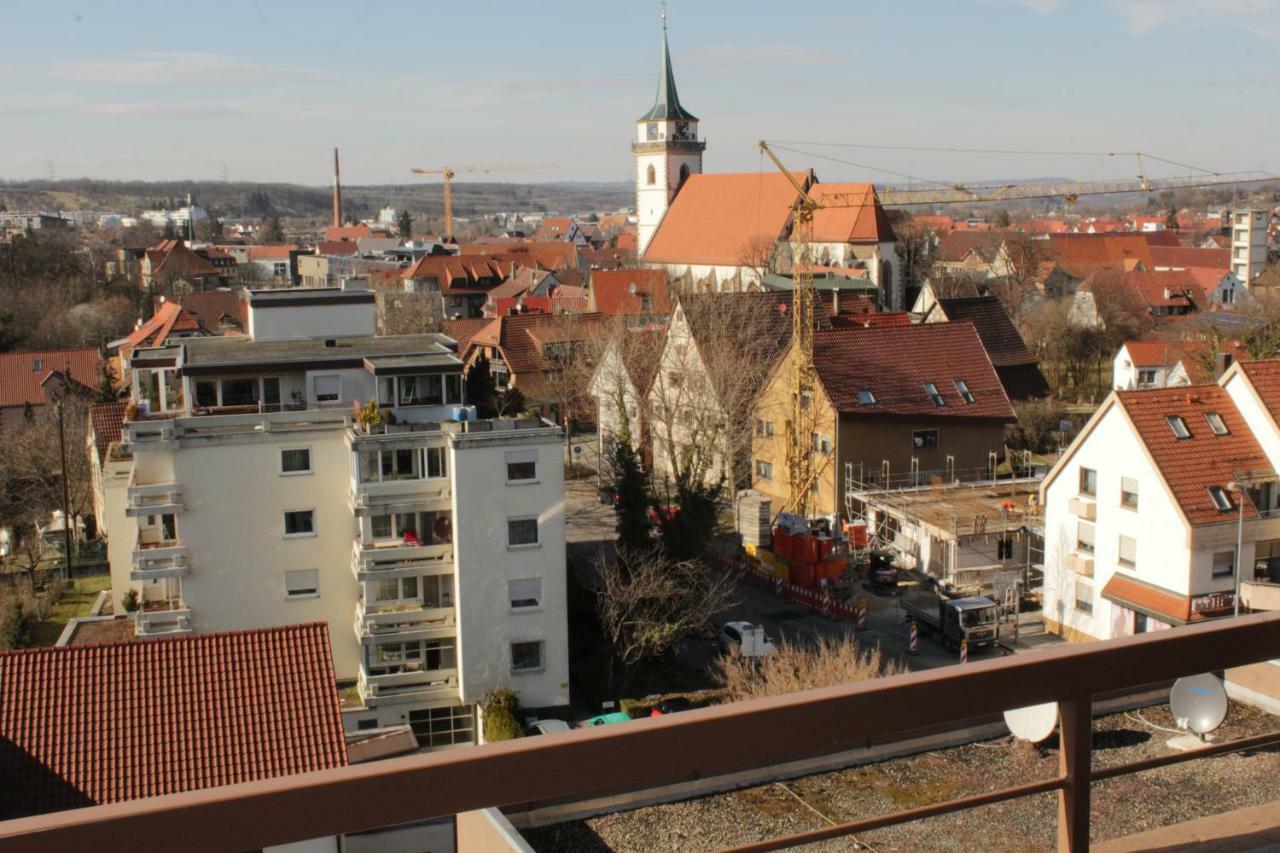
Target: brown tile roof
{"type": "Point", "coordinates": [521, 341]}
{"type": "Point", "coordinates": [1000, 337]}
{"type": "Point", "coordinates": [612, 291]}
{"type": "Point", "coordinates": [1182, 258]}
{"type": "Point", "coordinates": [1190, 466]}
{"type": "Point", "coordinates": [85, 725]}
{"type": "Point", "coordinates": [272, 252]}
{"type": "Point", "coordinates": [1084, 253]}
{"type": "Point", "coordinates": [956, 246]}
{"type": "Point", "coordinates": [173, 257]}
{"type": "Point", "coordinates": [463, 329]}
{"type": "Point", "coordinates": [209, 307]}
{"type": "Point", "coordinates": [546, 254]}
{"type": "Point", "coordinates": [22, 374]}
{"type": "Point", "coordinates": [716, 219]}
{"type": "Point", "coordinates": [337, 247]}
{"type": "Point", "coordinates": [108, 422]}
{"type": "Point", "coordinates": [895, 362]}
{"type": "Point", "coordinates": [865, 223]}
{"type": "Point", "coordinates": [1164, 289]}
{"type": "Point", "coordinates": [351, 233]}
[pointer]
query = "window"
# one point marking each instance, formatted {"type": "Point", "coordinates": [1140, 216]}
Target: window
{"type": "Point", "coordinates": [421, 390]}
{"type": "Point", "coordinates": [1216, 424]}
{"type": "Point", "coordinates": [932, 391]}
{"type": "Point", "coordinates": [1088, 482]}
{"type": "Point", "coordinates": [1146, 378]}
{"type": "Point", "coordinates": [963, 390]}
{"type": "Point", "coordinates": [522, 466]}
{"type": "Point", "coordinates": [1084, 597]}
{"type": "Point", "coordinates": [1221, 499]}
{"type": "Point", "coordinates": [866, 398]}
{"type": "Point", "coordinates": [295, 460]}
{"type": "Point", "coordinates": [367, 724]}
{"type": "Point", "coordinates": [239, 392]}
{"type": "Point", "coordinates": [651, 174]}
{"type": "Point", "coordinates": [764, 429]}
{"type": "Point", "coordinates": [453, 387]}
{"type": "Point", "coordinates": [206, 392]}
{"type": "Point", "coordinates": [435, 461]}
{"type": "Point", "coordinates": [303, 583]}
{"type": "Point", "coordinates": [924, 439]}
{"type": "Point", "coordinates": [1128, 493]}
{"type": "Point", "coordinates": [1179, 426]}
{"type": "Point", "coordinates": [396, 589]}
{"type": "Point", "coordinates": [764, 470]}
{"type": "Point", "coordinates": [525, 593]}
{"type": "Point", "coordinates": [386, 391]}
{"type": "Point", "coordinates": [1084, 536]}
{"type": "Point", "coordinates": [326, 388]}
{"type": "Point", "coordinates": [1224, 563]}
{"type": "Point", "coordinates": [437, 727]}
{"type": "Point", "coordinates": [522, 532]}
{"type": "Point", "coordinates": [526, 657]}
{"type": "Point", "coordinates": [1128, 551]}
{"type": "Point", "coordinates": [301, 522]}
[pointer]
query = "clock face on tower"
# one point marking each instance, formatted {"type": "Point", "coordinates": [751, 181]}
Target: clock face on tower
{"type": "Point", "coordinates": [682, 130]}
{"type": "Point", "coordinates": [651, 131]}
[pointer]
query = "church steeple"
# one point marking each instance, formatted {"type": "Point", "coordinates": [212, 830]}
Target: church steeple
{"type": "Point", "coordinates": [666, 105]}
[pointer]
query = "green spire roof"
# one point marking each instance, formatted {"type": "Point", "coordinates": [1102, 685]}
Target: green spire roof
{"type": "Point", "coordinates": [666, 106]}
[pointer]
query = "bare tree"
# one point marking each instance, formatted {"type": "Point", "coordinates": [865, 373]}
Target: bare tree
{"type": "Point", "coordinates": [759, 256]}
{"type": "Point", "coordinates": [648, 605]}
{"type": "Point", "coordinates": [1021, 255]}
{"type": "Point", "coordinates": [795, 666]}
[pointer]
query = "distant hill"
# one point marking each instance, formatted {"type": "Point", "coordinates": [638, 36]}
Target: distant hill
{"type": "Point", "coordinates": [231, 199]}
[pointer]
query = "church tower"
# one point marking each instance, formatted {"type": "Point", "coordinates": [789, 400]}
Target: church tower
{"type": "Point", "coordinates": [667, 150]}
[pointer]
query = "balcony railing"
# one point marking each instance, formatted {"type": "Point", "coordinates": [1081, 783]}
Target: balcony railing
{"type": "Point", "coordinates": [433, 492]}
{"type": "Point", "coordinates": [380, 562]}
{"type": "Point", "coordinates": [584, 764]}
{"type": "Point", "coordinates": [153, 499]}
{"type": "Point", "coordinates": [415, 686]}
{"type": "Point", "coordinates": [166, 558]}
{"type": "Point", "coordinates": [162, 431]}
{"type": "Point", "coordinates": [163, 619]}
{"type": "Point", "coordinates": [405, 621]}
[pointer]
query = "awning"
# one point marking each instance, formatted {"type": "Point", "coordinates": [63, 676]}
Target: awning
{"type": "Point", "coordinates": [1145, 598]}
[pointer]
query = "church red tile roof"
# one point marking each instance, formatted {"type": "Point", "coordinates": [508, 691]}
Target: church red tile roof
{"type": "Point", "coordinates": [721, 219]}
{"type": "Point", "coordinates": [22, 374]}
{"type": "Point", "coordinates": [1190, 466]}
{"type": "Point", "coordinates": [895, 362]}
{"type": "Point", "coordinates": [864, 223]}
{"type": "Point", "coordinates": [86, 725]}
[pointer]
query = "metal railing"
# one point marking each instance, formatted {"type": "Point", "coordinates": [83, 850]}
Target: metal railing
{"type": "Point", "coordinates": [583, 764]}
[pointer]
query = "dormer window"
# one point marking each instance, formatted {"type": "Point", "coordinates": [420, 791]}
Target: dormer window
{"type": "Point", "coordinates": [1221, 499]}
{"type": "Point", "coordinates": [1216, 424]}
{"type": "Point", "coordinates": [1179, 427]}
{"type": "Point", "coordinates": [866, 398]}
{"type": "Point", "coordinates": [932, 391]}
{"type": "Point", "coordinates": [963, 390]}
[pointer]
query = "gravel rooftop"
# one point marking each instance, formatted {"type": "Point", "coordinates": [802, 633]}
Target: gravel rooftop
{"type": "Point", "coordinates": [1121, 806]}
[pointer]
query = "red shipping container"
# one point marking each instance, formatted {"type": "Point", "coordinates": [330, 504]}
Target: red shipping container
{"type": "Point", "coordinates": [803, 574]}
{"type": "Point", "coordinates": [825, 546]}
{"type": "Point", "coordinates": [832, 569]}
{"type": "Point", "coordinates": [804, 549]}
{"type": "Point", "coordinates": [857, 534]}
{"type": "Point", "coordinates": [782, 543]}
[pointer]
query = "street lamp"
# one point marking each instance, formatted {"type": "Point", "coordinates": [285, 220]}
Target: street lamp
{"type": "Point", "coordinates": [1238, 491]}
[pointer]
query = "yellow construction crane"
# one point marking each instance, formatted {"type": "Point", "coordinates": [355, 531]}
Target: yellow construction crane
{"type": "Point", "coordinates": [801, 426]}
{"type": "Point", "coordinates": [450, 171]}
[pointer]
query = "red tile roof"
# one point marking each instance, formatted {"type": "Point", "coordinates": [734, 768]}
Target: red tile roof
{"type": "Point", "coordinates": [1164, 289]}
{"type": "Point", "coordinates": [209, 307]}
{"type": "Point", "coordinates": [173, 257]}
{"type": "Point", "coordinates": [547, 254]}
{"type": "Point", "coordinates": [351, 233]}
{"type": "Point", "coordinates": [1000, 337]}
{"type": "Point", "coordinates": [1085, 253]}
{"type": "Point", "coordinates": [156, 329]}
{"type": "Point", "coordinates": [273, 252]}
{"type": "Point", "coordinates": [1155, 353]}
{"type": "Point", "coordinates": [719, 219]}
{"type": "Point", "coordinates": [23, 373]}
{"type": "Point", "coordinates": [894, 363]}
{"type": "Point", "coordinates": [86, 725]}
{"type": "Point", "coordinates": [108, 423]}
{"type": "Point", "coordinates": [620, 291]}
{"type": "Point", "coordinates": [1190, 466]}
{"type": "Point", "coordinates": [1264, 376]}
{"type": "Point", "coordinates": [522, 339]}
{"type": "Point", "coordinates": [1183, 258]}
{"type": "Point", "coordinates": [337, 247]}
{"type": "Point", "coordinates": [864, 223]}
{"type": "Point", "coordinates": [957, 245]}
{"type": "Point", "coordinates": [464, 329]}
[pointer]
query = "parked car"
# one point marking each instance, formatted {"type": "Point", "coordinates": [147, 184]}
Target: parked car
{"type": "Point", "coordinates": [746, 639]}
{"type": "Point", "coordinates": [605, 719]}
{"type": "Point", "coordinates": [671, 706]}
{"type": "Point", "coordinates": [546, 727]}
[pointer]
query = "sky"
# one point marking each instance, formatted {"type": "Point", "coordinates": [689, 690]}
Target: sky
{"type": "Point", "coordinates": [261, 90]}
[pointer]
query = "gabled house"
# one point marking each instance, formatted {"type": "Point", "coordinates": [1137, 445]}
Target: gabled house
{"type": "Point", "coordinates": [1158, 294]}
{"type": "Point", "coordinates": [29, 379]}
{"type": "Point", "coordinates": [1017, 367]}
{"type": "Point", "coordinates": [620, 386]}
{"type": "Point", "coordinates": [173, 266]}
{"type": "Point", "coordinates": [889, 399]}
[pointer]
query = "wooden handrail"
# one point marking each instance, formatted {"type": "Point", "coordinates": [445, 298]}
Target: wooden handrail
{"type": "Point", "coordinates": [663, 750]}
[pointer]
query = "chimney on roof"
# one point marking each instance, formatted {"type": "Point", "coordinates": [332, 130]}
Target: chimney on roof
{"type": "Point", "coordinates": [1221, 361]}
{"type": "Point", "coordinates": [337, 192]}
{"type": "Point", "coordinates": [835, 302]}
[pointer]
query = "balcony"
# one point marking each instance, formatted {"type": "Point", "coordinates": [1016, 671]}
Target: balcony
{"type": "Point", "coordinates": [407, 686]}
{"type": "Point", "coordinates": [396, 559]}
{"type": "Point", "coordinates": [168, 618]}
{"type": "Point", "coordinates": [1083, 507]}
{"type": "Point", "coordinates": [706, 743]}
{"type": "Point", "coordinates": [153, 499]}
{"type": "Point", "coordinates": [165, 558]}
{"type": "Point", "coordinates": [1080, 563]}
{"type": "Point", "coordinates": [164, 430]}
{"type": "Point", "coordinates": [404, 621]}
{"type": "Point", "coordinates": [1260, 595]}
{"type": "Point", "coordinates": [423, 493]}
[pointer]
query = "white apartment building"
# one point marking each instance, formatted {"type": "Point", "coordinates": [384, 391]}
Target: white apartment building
{"type": "Point", "coordinates": [1249, 244]}
{"type": "Point", "coordinates": [247, 494]}
{"type": "Point", "coordinates": [1143, 510]}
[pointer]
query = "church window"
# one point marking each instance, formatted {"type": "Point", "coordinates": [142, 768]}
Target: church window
{"type": "Point", "coordinates": [651, 175]}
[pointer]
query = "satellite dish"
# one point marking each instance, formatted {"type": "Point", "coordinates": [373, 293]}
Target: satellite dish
{"type": "Point", "coordinates": [1198, 702]}
{"type": "Point", "coordinates": [1033, 723]}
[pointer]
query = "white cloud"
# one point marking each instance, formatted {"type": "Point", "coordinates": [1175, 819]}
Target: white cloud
{"type": "Point", "coordinates": [181, 69]}
{"type": "Point", "coordinates": [1256, 16]}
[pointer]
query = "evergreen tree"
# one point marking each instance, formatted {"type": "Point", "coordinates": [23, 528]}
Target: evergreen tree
{"type": "Point", "coordinates": [480, 386]}
{"type": "Point", "coordinates": [406, 226]}
{"type": "Point", "coordinates": [170, 230]}
{"type": "Point", "coordinates": [631, 498]}
{"type": "Point", "coordinates": [273, 231]}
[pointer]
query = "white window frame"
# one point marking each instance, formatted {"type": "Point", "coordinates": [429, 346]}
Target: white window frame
{"type": "Point", "coordinates": [1221, 499]}
{"type": "Point", "coordinates": [962, 389]}
{"type": "Point", "coordinates": [542, 657]}
{"type": "Point", "coordinates": [1231, 564]}
{"type": "Point", "coordinates": [304, 591]}
{"type": "Point", "coordinates": [1217, 425]}
{"type": "Point", "coordinates": [521, 457]}
{"type": "Point", "coordinates": [515, 594]}
{"type": "Point", "coordinates": [537, 543]}
{"type": "Point", "coordinates": [304, 535]}
{"type": "Point", "coordinates": [310, 469]}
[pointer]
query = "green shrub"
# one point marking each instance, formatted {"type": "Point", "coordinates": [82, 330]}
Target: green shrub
{"type": "Point", "coordinates": [130, 601]}
{"type": "Point", "coordinates": [501, 715]}
{"type": "Point", "coordinates": [17, 626]}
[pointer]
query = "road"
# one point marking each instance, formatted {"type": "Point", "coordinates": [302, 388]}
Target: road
{"type": "Point", "coordinates": [590, 525]}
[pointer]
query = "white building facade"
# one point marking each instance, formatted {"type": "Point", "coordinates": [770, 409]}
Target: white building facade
{"type": "Point", "coordinates": [247, 494]}
{"type": "Point", "coordinates": [1249, 244]}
